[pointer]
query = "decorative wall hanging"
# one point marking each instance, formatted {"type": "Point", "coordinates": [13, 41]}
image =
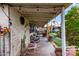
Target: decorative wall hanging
{"type": "Point", "coordinates": [4, 31]}
{"type": "Point", "coordinates": [22, 20]}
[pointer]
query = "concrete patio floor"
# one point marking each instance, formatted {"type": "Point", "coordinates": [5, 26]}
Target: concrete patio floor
{"type": "Point", "coordinates": [44, 48]}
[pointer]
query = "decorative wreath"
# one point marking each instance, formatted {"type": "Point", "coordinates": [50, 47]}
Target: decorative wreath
{"type": "Point", "coordinates": [4, 31]}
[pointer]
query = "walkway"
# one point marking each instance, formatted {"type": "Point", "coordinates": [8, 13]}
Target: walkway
{"type": "Point", "coordinates": [44, 49]}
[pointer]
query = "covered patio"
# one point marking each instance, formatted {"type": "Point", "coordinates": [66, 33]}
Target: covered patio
{"type": "Point", "coordinates": [37, 14]}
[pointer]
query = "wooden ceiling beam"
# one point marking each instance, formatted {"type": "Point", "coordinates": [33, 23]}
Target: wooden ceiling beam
{"type": "Point", "coordinates": [38, 23]}
{"type": "Point", "coordinates": [44, 10]}
{"type": "Point", "coordinates": [41, 5]}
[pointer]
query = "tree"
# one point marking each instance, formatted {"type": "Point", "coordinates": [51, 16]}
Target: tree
{"type": "Point", "coordinates": [72, 26]}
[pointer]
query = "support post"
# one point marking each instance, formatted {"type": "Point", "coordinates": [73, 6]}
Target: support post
{"type": "Point", "coordinates": [10, 30]}
{"type": "Point", "coordinates": [51, 26]}
{"type": "Point", "coordinates": [47, 30]}
{"type": "Point", "coordinates": [63, 36]}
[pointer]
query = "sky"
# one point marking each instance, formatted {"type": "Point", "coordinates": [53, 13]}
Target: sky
{"type": "Point", "coordinates": [58, 18]}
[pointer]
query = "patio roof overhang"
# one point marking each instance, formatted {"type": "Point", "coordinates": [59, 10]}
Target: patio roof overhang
{"type": "Point", "coordinates": [39, 13]}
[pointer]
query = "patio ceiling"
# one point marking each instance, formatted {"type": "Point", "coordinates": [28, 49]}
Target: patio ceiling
{"type": "Point", "coordinates": [39, 13]}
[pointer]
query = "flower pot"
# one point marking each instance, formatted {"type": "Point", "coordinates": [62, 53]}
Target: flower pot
{"type": "Point", "coordinates": [58, 51]}
{"type": "Point", "coordinates": [71, 51]}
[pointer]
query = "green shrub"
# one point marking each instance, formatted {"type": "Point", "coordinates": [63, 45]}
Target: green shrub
{"type": "Point", "coordinates": [77, 52]}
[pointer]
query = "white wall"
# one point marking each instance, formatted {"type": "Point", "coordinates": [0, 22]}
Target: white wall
{"type": "Point", "coordinates": [4, 23]}
{"type": "Point", "coordinates": [3, 17]}
{"type": "Point", "coordinates": [18, 31]}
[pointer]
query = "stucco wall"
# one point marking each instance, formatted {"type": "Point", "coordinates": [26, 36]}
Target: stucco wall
{"type": "Point", "coordinates": [18, 31]}
{"type": "Point", "coordinates": [3, 18]}
{"type": "Point", "coordinates": [4, 23]}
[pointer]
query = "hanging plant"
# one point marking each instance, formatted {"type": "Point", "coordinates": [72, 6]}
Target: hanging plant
{"type": "Point", "coordinates": [23, 41]}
